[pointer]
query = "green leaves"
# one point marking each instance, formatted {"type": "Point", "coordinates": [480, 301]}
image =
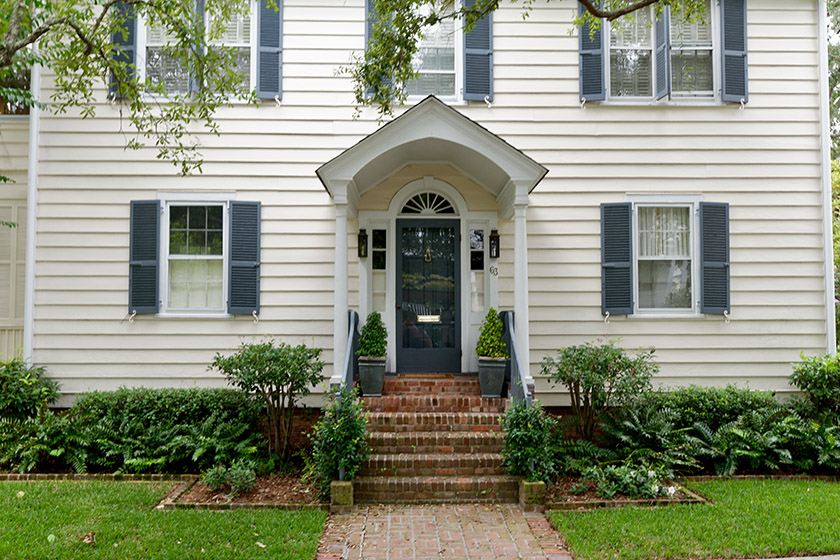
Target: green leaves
{"type": "Point", "coordinates": [819, 378]}
{"type": "Point", "coordinates": [373, 339]}
{"type": "Point", "coordinates": [528, 431]}
{"type": "Point", "coordinates": [490, 343]}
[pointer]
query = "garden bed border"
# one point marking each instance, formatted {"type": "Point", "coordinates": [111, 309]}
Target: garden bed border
{"type": "Point", "coordinates": [108, 477]}
{"type": "Point", "coordinates": [712, 477]}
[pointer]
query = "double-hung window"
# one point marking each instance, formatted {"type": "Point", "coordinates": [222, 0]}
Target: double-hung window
{"type": "Point", "coordinates": [669, 257]}
{"type": "Point", "coordinates": [437, 61]}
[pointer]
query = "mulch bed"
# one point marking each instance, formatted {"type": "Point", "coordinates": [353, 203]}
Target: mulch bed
{"type": "Point", "coordinates": [275, 489]}
{"type": "Point", "coordinates": [560, 495]}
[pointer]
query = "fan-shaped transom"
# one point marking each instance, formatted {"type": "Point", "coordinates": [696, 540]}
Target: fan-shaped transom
{"type": "Point", "coordinates": [427, 204]}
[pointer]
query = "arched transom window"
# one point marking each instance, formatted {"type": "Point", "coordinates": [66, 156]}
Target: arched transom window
{"type": "Point", "coordinates": [428, 203]}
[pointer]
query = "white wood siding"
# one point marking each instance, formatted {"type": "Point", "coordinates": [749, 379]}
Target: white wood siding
{"type": "Point", "coordinates": [764, 161]}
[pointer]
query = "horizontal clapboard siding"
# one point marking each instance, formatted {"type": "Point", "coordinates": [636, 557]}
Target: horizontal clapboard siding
{"type": "Point", "coordinates": [763, 161]}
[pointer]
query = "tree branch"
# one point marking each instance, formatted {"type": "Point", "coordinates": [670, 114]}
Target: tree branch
{"type": "Point", "coordinates": [615, 14]}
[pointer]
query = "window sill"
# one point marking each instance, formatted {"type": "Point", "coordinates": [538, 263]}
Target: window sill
{"type": "Point", "coordinates": [194, 315]}
{"type": "Point", "coordinates": [669, 103]}
{"type": "Point", "coordinates": [660, 316]}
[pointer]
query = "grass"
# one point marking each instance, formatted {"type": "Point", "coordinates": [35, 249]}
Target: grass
{"type": "Point", "coordinates": [749, 518]}
{"type": "Point", "coordinates": [128, 527]}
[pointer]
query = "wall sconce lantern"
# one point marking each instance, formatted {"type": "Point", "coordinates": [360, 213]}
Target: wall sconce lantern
{"type": "Point", "coordinates": [494, 244]}
{"type": "Point", "coordinates": [363, 243]}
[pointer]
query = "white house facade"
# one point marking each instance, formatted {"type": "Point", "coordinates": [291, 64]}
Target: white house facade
{"type": "Point", "coordinates": [660, 181]}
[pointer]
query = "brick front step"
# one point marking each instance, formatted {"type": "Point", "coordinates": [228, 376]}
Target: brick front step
{"type": "Point", "coordinates": [435, 442]}
{"type": "Point", "coordinates": [467, 386]}
{"type": "Point", "coordinates": [421, 489]}
{"type": "Point", "coordinates": [445, 464]}
{"type": "Point", "coordinates": [428, 403]}
{"type": "Point", "coordinates": [434, 422]}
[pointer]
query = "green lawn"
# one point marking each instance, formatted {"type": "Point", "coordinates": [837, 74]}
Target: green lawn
{"type": "Point", "coordinates": [128, 527]}
{"type": "Point", "coordinates": [752, 519]}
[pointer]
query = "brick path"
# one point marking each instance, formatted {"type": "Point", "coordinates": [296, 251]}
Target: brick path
{"type": "Point", "coordinates": [426, 532]}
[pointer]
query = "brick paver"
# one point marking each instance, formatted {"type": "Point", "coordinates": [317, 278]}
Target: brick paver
{"type": "Point", "coordinates": [426, 532]}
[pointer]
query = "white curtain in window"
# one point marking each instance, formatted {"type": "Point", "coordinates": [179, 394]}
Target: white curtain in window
{"type": "Point", "coordinates": [665, 232]}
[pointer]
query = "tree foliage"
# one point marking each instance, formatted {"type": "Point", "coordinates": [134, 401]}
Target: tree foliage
{"type": "Point", "coordinates": [391, 54]}
{"type": "Point", "coordinates": [74, 39]}
{"type": "Point", "coordinates": [834, 85]}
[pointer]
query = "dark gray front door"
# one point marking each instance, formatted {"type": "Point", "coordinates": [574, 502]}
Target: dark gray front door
{"type": "Point", "coordinates": [428, 307]}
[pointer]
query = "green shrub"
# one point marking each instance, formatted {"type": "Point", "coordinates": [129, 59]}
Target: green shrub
{"type": "Point", "coordinates": [528, 432]}
{"type": "Point", "coordinates": [713, 406]}
{"type": "Point", "coordinates": [490, 343]}
{"type": "Point", "coordinates": [373, 338]}
{"type": "Point", "coordinates": [818, 377]}
{"type": "Point", "coordinates": [629, 480]}
{"type": "Point", "coordinates": [339, 440]}
{"type": "Point", "coordinates": [216, 478]}
{"type": "Point", "coordinates": [239, 478]}
{"type": "Point", "coordinates": [279, 375]}
{"type": "Point", "coordinates": [600, 376]}
{"type": "Point", "coordinates": [573, 456]}
{"type": "Point", "coordinates": [24, 390]}
{"type": "Point", "coordinates": [47, 442]}
{"type": "Point", "coordinates": [167, 430]}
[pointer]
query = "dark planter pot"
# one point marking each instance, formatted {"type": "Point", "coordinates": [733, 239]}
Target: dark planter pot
{"type": "Point", "coordinates": [371, 375]}
{"type": "Point", "coordinates": [491, 376]}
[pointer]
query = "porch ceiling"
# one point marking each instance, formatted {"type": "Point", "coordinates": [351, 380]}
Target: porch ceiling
{"type": "Point", "coordinates": [431, 131]}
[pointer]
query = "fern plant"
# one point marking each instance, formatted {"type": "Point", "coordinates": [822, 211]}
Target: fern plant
{"type": "Point", "coordinates": [47, 442]}
{"type": "Point", "coordinates": [490, 343]}
{"type": "Point", "coordinates": [373, 338]}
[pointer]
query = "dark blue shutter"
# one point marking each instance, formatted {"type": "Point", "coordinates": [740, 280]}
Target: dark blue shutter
{"type": "Point", "coordinates": [662, 56]}
{"type": "Point", "coordinates": [143, 257]}
{"type": "Point", "coordinates": [733, 18]}
{"type": "Point", "coordinates": [714, 258]}
{"type": "Point", "coordinates": [244, 268]}
{"type": "Point", "coordinates": [125, 47]}
{"type": "Point", "coordinates": [617, 259]}
{"type": "Point", "coordinates": [592, 86]}
{"type": "Point", "coordinates": [270, 52]}
{"type": "Point", "coordinates": [478, 59]}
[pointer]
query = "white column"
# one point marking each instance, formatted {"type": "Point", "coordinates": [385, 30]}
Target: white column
{"type": "Point", "coordinates": [31, 221]}
{"type": "Point", "coordinates": [520, 283]}
{"type": "Point", "coordinates": [341, 303]}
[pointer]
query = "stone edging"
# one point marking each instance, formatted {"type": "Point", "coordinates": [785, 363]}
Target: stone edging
{"type": "Point", "coordinates": [239, 505]}
{"type": "Point", "coordinates": [15, 477]}
{"type": "Point", "coordinates": [693, 498]}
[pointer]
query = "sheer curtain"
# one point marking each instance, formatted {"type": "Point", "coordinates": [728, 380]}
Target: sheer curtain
{"type": "Point", "coordinates": [664, 257]}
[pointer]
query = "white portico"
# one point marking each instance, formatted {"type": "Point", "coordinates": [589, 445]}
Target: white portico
{"type": "Point", "coordinates": [493, 183]}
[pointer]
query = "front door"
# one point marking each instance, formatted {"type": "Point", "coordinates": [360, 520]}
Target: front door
{"type": "Point", "coordinates": [428, 307]}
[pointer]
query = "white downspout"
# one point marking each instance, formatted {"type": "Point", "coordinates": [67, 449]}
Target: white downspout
{"type": "Point", "coordinates": [31, 208]}
{"type": "Point", "coordinates": [825, 133]}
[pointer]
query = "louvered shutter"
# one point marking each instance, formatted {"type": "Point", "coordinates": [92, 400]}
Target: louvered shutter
{"type": "Point", "coordinates": [591, 48]}
{"type": "Point", "coordinates": [617, 259]}
{"type": "Point", "coordinates": [714, 258]}
{"type": "Point", "coordinates": [125, 51]}
{"type": "Point", "coordinates": [733, 17]}
{"type": "Point", "coordinates": [270, 52]}
{"type": "Point", "coordinates": [143, 257]}
{"type": "Point", "coordinates": [662, 56]}
{"type": "Point", "coordinates": [244, 267]}
{"type": "Point", "coordinates": [478, 59]}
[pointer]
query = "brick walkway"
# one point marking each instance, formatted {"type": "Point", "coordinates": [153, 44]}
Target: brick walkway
{"type": "Point", "coordinates": [427, 532]}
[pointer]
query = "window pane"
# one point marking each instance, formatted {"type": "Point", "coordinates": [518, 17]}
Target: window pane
{"type": "Point", "coordinates": [178, 217]}
{"type": "Point", "coordinates": [195, 284]}
{"type": "Point", "coordinates": [476, 239]}
{"type": "Point", "coordinates": [196, 243]}
{"type": "Point", "coordinates": [177, 242]}
{"type": "Point", "coordinates": [633, 32]}
{"type": "Point", "coordinates": [692, 33]}
{"type": "Point", "coordinates": [166, 69]}
{"type": "Point", "coordinates": [379, 239]}
{"type": "Point", "coordinates": [436, 52]}
{"type": "Point", "coordinates": [665, 232]}
{"type": "Point", "coordinates": [379, 260]}
{"type": "Point", "coordinates": [691, 71]}
{"type": "Point", "coordinates": [630, 73]}
{"type": "Point", "coordinates": [665, 284]}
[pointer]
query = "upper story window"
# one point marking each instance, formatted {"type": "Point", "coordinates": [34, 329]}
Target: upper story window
{"type": "Point", "coordinates": [437, 60]}
{"type": "Point", "coordinates": [652, 59]}
{"type": "Point", "coordinates": [164, 65]}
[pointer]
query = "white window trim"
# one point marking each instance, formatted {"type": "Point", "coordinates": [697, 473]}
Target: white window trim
{"type": "Point", "coordinates": [458, 98]}
{"type": "Point", "coordinates": [192, 199]}
{"type": "Point", "coordinates": [693, 203]}
{"type": "Point", "coordinates": [671, 99]}
{"type": "Point", "coordinates": [140, 50]}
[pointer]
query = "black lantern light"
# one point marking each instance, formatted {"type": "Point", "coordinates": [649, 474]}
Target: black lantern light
{"type": "Point", "coordinates": [494, 244]}
{"type": "Point", "coordinates": [363, 244]}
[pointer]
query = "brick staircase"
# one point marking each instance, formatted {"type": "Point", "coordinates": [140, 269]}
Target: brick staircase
{"type": "Point", "coordinates": [433, 440]}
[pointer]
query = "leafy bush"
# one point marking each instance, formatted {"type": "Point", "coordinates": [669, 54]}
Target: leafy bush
{"type": "Point", "coordinates": [819, 378]}
{"type": "Point", "coordinates": [167, 430]}
{"type": "Point", "coordinates": [490, 343]}
{"type": "Point", "coordinates": [339, 440]}
{"type": "Point", "coordinates": [600, 376]}
{"type": "Point", "coordinates": [240, 478]}
{"type": "Point", "coordinates": [373, 338]}
{"type": "Point", "coordinates": [279, 375]}
{"type": "Point", "coordinates": [713, 406]}
{"type": "Point", "coordinates": [629, 480]}
{"type": "Point", "coordinates": [48, 442]}
{"type": "Point", "coordinates": [24, 391]}
{"type": "Point", "coordinates": [528, 432]}
{"type": "Point", "coordinates": [573, 456]}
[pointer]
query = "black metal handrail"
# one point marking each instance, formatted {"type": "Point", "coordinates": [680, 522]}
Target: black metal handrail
{"type": "Point", "coordinates": [351, 361]}
{"type": "Point", "coordinates": [519, 388]}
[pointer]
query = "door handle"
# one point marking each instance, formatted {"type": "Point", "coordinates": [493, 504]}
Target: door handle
{"type": "Point", "coordinates": [399, 306]}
